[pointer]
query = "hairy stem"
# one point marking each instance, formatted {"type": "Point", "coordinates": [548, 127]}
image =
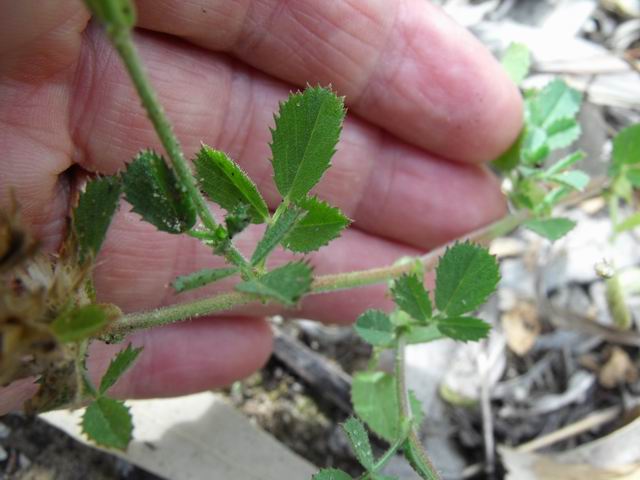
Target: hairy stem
{"type": "Point", "coordinates": [413, 447]}
{"type": "Point", "coordinates": [123, 43]}
{"type": "Point", "coordinates": [324, 283]}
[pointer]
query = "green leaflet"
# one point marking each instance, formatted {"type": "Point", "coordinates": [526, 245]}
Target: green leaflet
{"type": "Point", "coordinates": [201, 278]}
{"type": "Point", "coordinates": [374, 400]}
{"type": "Point", "coordinates": [629, 223]}
{"type": "Point", "coordinates": [517, 61]}
{"type": "Point", "coordinates": [550, 123]}
{"type": "Point", "coordinates": [108, 423]}
{"type": "Point", "coordinates": [421, 334]}
{"type": "Point", "coordinates": [575, 179]}
{"type": "Point", "coordinates": [551, 228]}
{"type": "Point", "coordinates": [118, 366]}
{"type": "Point", "coordinates": [92, 217]}
{"type": "Point", "coordinates": [564, 163]}
{"type": "Point", "coordinates": [626, 148]}
{"type": "Point", "coordinates": [466, 275]}
{"type": "Point", "coordinates": [321, 224]}
{"type": "Point", "coordinates": [80, 323]}
{"type": "Point", "coordinates": [535, 146]}
{"type": "Point", "coordinates": [331, 474]}
{"type": "Point", "coordinates": [276, 233]}
{"type": "Point", "coordinates": [285, 284]}
{"type": "Point", "coordinates": [409, 294]}
{"type": "Point", "coordinates": [464, 328]}
{"type": "Point", "coordinates": [155, 193]}
{"type": "Point", "coordinates": [359, 440]}
{"type": "Point", "coordinates": [511, 158]}
{"type": "Point", "coordinates": [375, 327]}
{"type": "Point", "coordinates": [562, 133]}
{"type": "Point", "coordinates": [228, 185]}
{"type": "Point", "coordinates": [633, 176]}
{"type": "Point", "coordinates": [304, 139]}
{"type": "Point", "coordinates": [554, 104]}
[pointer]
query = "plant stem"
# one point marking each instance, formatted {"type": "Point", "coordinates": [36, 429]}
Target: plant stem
{"type": "Point", "coordinates": [413, 450]}
{"type": "Point", "coordinates": [178, 312]}
{"type": "Point", "coordinates": [325, 283]}
{"type": "Point", "coordinates": [382, 461]}
{"type": "Point", "coordinates": [123, 43]}
{"type": "Point", "coordinates": [84, 383]}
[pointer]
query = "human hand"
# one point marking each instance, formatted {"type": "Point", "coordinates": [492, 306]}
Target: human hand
{"type": "Point", "coordinates": [427, 106]}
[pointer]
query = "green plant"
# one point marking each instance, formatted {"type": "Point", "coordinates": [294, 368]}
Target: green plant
{"type": "Point", "coordinates": [168, 195]}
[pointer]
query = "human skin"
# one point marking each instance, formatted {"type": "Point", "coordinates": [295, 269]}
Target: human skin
{"type": "Point", "coordinates": [427, 106]}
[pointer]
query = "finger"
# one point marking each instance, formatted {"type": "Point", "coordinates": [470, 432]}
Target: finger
{"type": "Point", "coordinates": [403, 64]}
{"type": "Point", "coordinates": [13, 396]}
{"type": "Point", "coordinates": [135, 253]}
{"type": "Point", "coordinates": [39, 39]}
{"type": "Point", "coordinates": [195, 356]}
{"type": "Point", "coordinates": [389, 188]}
{"type": "Point", "coordinates": [39, 44]}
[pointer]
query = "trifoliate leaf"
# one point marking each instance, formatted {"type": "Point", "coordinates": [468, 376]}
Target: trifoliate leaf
{"type": "Point", "coordinates": [466, 275]}
{"type": "Point", "coordinates": [201, 277]}
{"type": "Point", "coordinates": [118, 366]}
{"type": "Point", "coordinates": [409, 294]}
{"type": "Point", "coordinates": [374, 400]}
{"type": "Point", "coordinates": [575, 179]}
{"type": "Point", "coordinates": [304, 140]}
{"type": "Point", "coordinates": [285, 284]}
{"type": "Point", "coordinates": [331, 474]}
{"type": "Point", "coordinates": [275, 233]}
{"type": "Point", "coordinates": [359, 440]}
{"type": "Point", "coordinates": [91, 218]}
{"type": "Point", "coordinates": [375, 328]}
{"type": "Point", "coordinates": [321, 224]}
{"type": "Point", "coordinates": [226, 184]}
{"type": "Point", "coordinates": [464, 328]}
{"type": "Point", "coordinates": [551, 228]}
{"type": "Point", "coordinates": [626, 148]}
{"type": "Point", "coordinates": [555, 102]}
{"type": "Point", "coordinates": [155, 193]}
{"type": "Point", "coordinates": [108, 423]}
{"type": "Point", "coordinates": [517, 61]}
{"type": "Point", "coordinates": [80, 323]}
{"type": "Point", "coordinates": [628, 223]}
